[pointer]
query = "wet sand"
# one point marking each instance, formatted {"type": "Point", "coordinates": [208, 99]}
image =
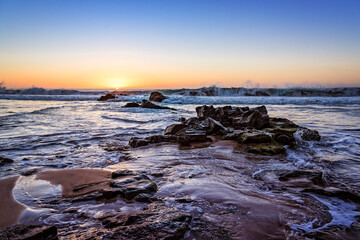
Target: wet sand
{"type": "Point", "coordinates": [82, 180]}
{"type": "Point", "coordinates": [10, 209]}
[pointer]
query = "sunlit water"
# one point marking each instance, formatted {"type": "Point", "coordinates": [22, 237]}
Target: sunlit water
{"type": "Point", "coordinates": [68, 134]}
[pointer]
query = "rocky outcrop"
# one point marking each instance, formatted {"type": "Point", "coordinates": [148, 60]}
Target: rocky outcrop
{"type": "Point", "coordinates": [156, 97]}
{"type": "Point", "coordinates": [107, 97]}
{"type": "Point", "coordinates": [5, 160]}
{"type": "Point", "coordinates": [250, 127]}
{"type": "Point", "coordinates": [33, 232]}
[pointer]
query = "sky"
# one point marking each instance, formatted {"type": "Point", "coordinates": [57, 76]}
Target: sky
{"type": "Point", "coordinates": [139, 44]}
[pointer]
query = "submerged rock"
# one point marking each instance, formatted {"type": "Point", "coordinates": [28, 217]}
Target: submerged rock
{"type": "Point", "coordinates": [5, 160]}
{"type": "Point", "coordinates": [33, 232]}
{"type": "Point", "coordinates": [131, 104]}
{"type": "Point", "coordinates": [156, 97]}
{"type": "Point", "coordinates": [155, 221]}
{"type": "Point", "coordinates": [107, 97]}
{"type": "Point", "coordinates": [145, 104]}
{"type": "Point", "coordinates": [130, 186]}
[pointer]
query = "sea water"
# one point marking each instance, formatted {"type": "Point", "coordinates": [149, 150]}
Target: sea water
{"type": "Point", "coordinates": [45, 132]}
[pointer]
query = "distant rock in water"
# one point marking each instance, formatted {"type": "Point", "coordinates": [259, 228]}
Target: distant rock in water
{"type": "Point", "coordinates": [131, 104]}
{"type": "Point", "coordinates": [4, 160]}
{"type": "Point", "coordinates": [107, 97]}
{"type": "Point", "coordinates": [156, 97]}
{"type": "Point", "coordinates": [146, 104]}
{"type": "Point", "coordinates": [252, 128]}
{"type": "Point", "coordinates": [291, 92]}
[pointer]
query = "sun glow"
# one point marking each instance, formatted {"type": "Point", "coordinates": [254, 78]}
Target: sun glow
{"type": "Point", "coordinates": [116, 83]}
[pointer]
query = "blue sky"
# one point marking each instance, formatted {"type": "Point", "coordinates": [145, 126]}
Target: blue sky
{"type": "Point", "coordinates": [202, 42]}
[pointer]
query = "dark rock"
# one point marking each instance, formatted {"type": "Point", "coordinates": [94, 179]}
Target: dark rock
{"type": "Point", "coordinates": [283, 136]}
{"type": "Point", "coordinates": [262, 109]}
{"type": "Point", "coordinates": [29, 232]}
{"type": "Point", "coordinates": [254, 137]}
{"type": "Point", "coordinates": [184, 200]}
{"type": "Point", "coordinates": [4, 160]}
{"type": "Point", "coordinates": [201, 228]}
{"type": "Point", "coordinates": [147, 104]}
{"type": "Point", "coordinates": [315, 176]}
{"type": "Point", "coordinates": [261, 93]}
{"type": "Point", "coordinates": [308, 134]}
{"type": "Point", "coordinates": [30, 171]}
{"type": "Point", "coordinates": [156, 221]}
{"type": "Point", "coordinates": [131, 186]}
{"type": "Point", "coordinates": [107, 97]}
{"type": "Point", "coordinates": [156, 97]}
{"type": "Point", "coordinates": [186, 140]}
{"type": "Point", "coordinates": [122, 173]}
{"type": "Point", "coordinates": [138, 142]}
{"type": "Point", "coordinates": [252, 119]}
{"type": "Point", "coordinates": [131, 104]}
{"type": "Point", "coordinates": [174, 128]}
{"type": "Point", "coordinates": [214, 127]}
{"type": "Point", "coordinates": [205, 111]}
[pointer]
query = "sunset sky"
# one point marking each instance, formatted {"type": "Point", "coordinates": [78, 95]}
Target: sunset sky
{"type": "Point", "coordinates": [87, 44]}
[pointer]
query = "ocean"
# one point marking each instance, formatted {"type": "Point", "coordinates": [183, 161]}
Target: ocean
{"type": "Point", "coordinates": [49, 132]}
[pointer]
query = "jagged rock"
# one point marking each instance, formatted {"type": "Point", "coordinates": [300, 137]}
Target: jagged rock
{"type": "Point", "coordinates": [308, 134]}
{"type": "Point", "coordinates": [262, 109]}
{"type": "Point", "coordinates": [173, 129]}
{"type": "Point", "coordinates": [4, 160]}
{"type": "Point", "coordinates": [138, 142]}
{"type": "Point", "coordinates": [156, 97]}
{"type": "Point", "coordinates": [107, 97]}
{"type": "Point", "coordinates": [29, 232]}
{"type": "Point", "coordinates": [155, 221]}
{"type": "Point", "coordinates": [205, 111]}
{"type": "Point", "coordinates": [252, 119]}
{"type": "Point", "coordinates": [131, 104]}
{"type": "Point", "coordinates": [131, 186]}
{"type": "Point", "coordinates": [214, 127]}
{"type": "Point", "coordinates": [254, 137]}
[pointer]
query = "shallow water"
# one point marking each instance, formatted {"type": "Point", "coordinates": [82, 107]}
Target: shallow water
{"type": "Point", "coordinates": [222, 182]}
